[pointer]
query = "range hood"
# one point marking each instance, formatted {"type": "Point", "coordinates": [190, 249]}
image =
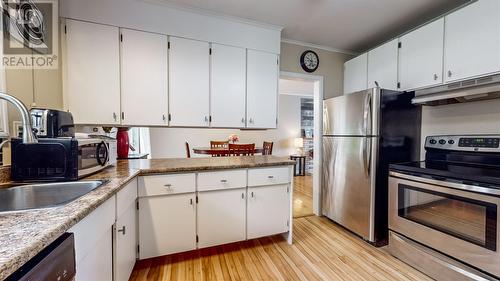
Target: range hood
{"type": "Point", "coordinates": [483, 88]}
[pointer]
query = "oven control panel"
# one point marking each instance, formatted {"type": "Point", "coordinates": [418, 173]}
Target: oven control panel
{"type": "Point", "coordinates": [480, 143]}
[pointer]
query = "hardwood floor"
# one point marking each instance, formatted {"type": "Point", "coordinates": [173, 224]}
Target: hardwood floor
{"type": "Point", "coordinates": [302, 196]}
{"type": "Point", "coordinates": [321, 251]}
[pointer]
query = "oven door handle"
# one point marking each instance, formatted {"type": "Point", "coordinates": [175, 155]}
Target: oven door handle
{"type": "Point", "coordinates": [459, 186]}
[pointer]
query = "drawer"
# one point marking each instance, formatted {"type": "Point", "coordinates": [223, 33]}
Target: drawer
{"type": "Point", "coordinates": [125, 197]}
{"type": "Point", "coordinates": [222, 180]}
{"type": "Point", "coordinates": [166, 184]}
{"type": "Point", "coordinates": [268, 176]}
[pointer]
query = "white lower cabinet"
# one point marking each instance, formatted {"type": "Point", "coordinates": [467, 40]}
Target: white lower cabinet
{"type": "Point", "coordinates": [167, 224]}
{"type": "Point", "coordinates": [93, 244]}
{"type": "Point", "coordinates": [221, 217]}
{"type": "Point", "coordinates": [125, 232]}
{"type": "Point", "coordinates": [98, 264]}
{"type": "Point", "coordinates": [268, 210]}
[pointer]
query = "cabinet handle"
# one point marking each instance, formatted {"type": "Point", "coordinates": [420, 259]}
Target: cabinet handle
{"type": "Point", "coordinates": [191, 201]}
{"type": "Point", "coordinates": [243, 120]}
{"type": "Point", "coordinates": [270, 177]}
{"type": "Point", "coordinates": [243, 196]}
{"type": "Point", "coordinates": [251, 120]}
{"type": "Point", "coordinates": [251, 194]}
{"type": "Point", "coordinates": [122, 230]}
{"type": "Point", "coordinates": [450, 73]}
{"type": "Point", "coordinates": [164, 117]}
{"type": "Point", "coordinates": [436, 77]}
{"type": "Point", "coordinates": [114, 116]}
{"type": "Point", "coordinates": [168, 186]}
{"type": "Point", "coordinates": [223, 181]}
{"type": "Point", "coordinates": [206, 119]}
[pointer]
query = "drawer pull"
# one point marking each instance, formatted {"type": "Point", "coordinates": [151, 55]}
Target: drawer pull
{"type": "Point", "coordinates": [270, 177]}
{"type": "Point", "coordinates": [191, 201]}
{"type": "Point", "coordinates": [223, 181]}
{"type": "Point", "coordinates": [252, 195]}
{"type": "Point", "coordinates": [168, 185]}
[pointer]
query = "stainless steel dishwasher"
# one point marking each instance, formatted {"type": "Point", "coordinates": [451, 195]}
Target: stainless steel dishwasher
{"type": "Point", "coordinates": [55, 262]}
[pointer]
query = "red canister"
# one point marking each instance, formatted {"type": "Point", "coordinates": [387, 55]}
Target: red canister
{"type": "Point", "coordinates": [123, 143]}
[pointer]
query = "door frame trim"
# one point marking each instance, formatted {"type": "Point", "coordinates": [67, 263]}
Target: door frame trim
{"type": "Point", "coordinates": [318, 131]}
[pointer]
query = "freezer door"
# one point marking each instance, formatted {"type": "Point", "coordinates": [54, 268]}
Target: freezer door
{"type": "Point", "coordinates": [348, 187]}
{"type": "Point", "coordinates": [352, 115]}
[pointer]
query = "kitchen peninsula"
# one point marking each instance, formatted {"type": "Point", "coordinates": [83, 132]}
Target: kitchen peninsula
{"type": "Point", "coordinates": [260, 183]}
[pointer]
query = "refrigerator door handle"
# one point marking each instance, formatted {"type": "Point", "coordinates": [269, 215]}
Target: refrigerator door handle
{"type": "Point", "coordinates": [367, 115]}
{"type": "Point", "coordinates": [367, 155]}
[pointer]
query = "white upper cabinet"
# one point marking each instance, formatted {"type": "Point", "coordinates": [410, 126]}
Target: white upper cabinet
{"type": "Point", "coordinates": [228, 86]}
{"type": "Point", "coordinates": [356, 74]}
{"type": "Point", "coordinates": [189, 83]}
{"type": "Point", "coordinates": [92, 77]}
{"type": "Point", "coordinates": [421, 57]}
{"type": "Point", "coordinates": [472, 41]}
{"type": "Point", "coordinates": [144, 60]}
{"type": "Point", "coordinates": [383, 66]}
{"type": "Point", "coordinates": [262, 89]}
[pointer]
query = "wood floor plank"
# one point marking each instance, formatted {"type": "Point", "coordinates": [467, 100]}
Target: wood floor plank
{"type": "Point", "coordinates": [321, 250]}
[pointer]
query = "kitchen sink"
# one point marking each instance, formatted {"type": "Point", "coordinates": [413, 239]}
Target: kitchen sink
{"type": "Point", "coordinates": [45, 195]}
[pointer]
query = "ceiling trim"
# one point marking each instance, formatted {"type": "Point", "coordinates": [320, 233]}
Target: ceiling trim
{"type": "Point", "coordinates": [209, 13]}
{"type": "Point", "coordinates": [316, 46]}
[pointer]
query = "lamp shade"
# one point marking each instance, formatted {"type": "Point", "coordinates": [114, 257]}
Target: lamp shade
{"type": "Point", "coordinates": [299, 142]}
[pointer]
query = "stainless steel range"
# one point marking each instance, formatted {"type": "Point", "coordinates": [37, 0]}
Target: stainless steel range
{"type": "Point", "coordinates": [443, 212]}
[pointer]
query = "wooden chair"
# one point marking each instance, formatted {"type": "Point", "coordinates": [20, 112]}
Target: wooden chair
{"type": "Point", "coordinates": [241, 149]}
{"type": "Point", "coordinates": [267, 148]}
{"type": "Point", "coordinates": [188, 151]}
{"type": "Point", "coordinates": [219, 144]}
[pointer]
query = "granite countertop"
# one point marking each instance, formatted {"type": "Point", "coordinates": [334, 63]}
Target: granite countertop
{"type": "Point", "coordinates": [24, 234]}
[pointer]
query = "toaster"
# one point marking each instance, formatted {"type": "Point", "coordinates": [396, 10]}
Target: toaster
{"type": "Point", "coordinates": [50, 123]}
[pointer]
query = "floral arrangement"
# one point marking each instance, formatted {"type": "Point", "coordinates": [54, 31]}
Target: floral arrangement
{"type": "Point", "coordinates": [234, 138]}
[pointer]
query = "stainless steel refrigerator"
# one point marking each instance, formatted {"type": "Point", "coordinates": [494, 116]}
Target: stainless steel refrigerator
{"type": "Point", "coordinates": [364, 132]}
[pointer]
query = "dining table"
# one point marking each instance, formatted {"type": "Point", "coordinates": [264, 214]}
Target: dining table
{"type": "Point", "coordinates": [219, 150]}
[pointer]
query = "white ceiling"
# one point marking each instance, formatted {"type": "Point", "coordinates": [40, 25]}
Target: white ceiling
{"type": "Point", "coordinates": [296, 87]}
{"type": "Point", "coordinates": [351, 25]}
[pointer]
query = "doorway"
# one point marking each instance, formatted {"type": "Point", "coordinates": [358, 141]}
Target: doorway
{"type": "Point", "coordinates": [307, 143]}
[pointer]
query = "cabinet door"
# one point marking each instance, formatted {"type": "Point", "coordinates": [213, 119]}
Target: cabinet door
{"type": "Point", "coordinates": [167, 225]}
{"type": "Point", "coordinates": [125, 244]}
{"type": "Point", "coordinates": [472, 40]}
{"type": "Point", "coordinates": [221, 217]}
{"type": "Point", "coordinates": [98, 263]}
{"type": "Point", "coordinates": [144, 97]}
{"type": "Point", "coordinates": [383, 66]}
{"type": "Point", "coordinates": [189, 83]}
{"type": "Point", "coordinates": [268, 210]}
{"type": "Point", "coordinates": [228, 86]}
{"type": "Point", "coordinates": [421, 56]}
{"type": "Point", "coordinates": [262, 89]}
{"type": "Point", "coordinates": [92, 84]}
{"type": "Point", "coordinates": [356, 74]}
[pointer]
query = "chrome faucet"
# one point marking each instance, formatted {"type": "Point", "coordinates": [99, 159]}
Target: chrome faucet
{"type": "Point", "coordinates": [28, 135]}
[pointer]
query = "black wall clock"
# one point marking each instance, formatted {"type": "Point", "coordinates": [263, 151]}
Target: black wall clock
{"type": "Point", "coordinates": [309, 61]}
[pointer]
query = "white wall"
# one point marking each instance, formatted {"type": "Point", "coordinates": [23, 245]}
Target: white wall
{"type": "Point", "coordinates": [482, 117]}
{"type": "Point", "coordinates": [169, 142]}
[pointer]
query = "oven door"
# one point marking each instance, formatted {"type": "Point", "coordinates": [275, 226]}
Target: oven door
{"type": "Point", "coordinates": [92, 157]}
{"type": "Point", "coordinates": [458, 220]}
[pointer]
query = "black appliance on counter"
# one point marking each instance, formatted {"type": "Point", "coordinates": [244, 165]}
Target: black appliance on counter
{"type": "Point", "coordinates": [50, 123]}
{"type": "Point", "coordinates": [58, 159]}
{"type": "Point", "coordinates": [55, 262]}
{"type": "Point", "coordinates": [445, 210]}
